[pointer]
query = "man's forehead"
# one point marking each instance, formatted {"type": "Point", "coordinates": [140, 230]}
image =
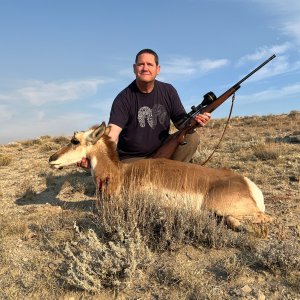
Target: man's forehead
{"type": "Point", "coordinates": [148, 57]}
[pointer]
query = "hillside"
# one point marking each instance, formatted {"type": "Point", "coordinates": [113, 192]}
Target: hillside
{"type": "Point", "coordinates": [54, 245]}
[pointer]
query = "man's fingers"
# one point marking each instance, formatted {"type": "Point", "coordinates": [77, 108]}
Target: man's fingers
{"type": "Point", "coordinates": [202, 119]}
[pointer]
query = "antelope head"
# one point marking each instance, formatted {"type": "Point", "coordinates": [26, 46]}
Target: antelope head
{"type": "Point", "coordinates": [78, 147]}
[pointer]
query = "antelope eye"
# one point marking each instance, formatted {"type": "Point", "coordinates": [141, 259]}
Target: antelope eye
{"type": "Point", "coordinates": [74, 141]}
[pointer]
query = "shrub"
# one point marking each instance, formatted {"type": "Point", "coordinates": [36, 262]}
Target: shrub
{"type": "Point", "coordinates": [5, 160]}
{"type": "Point", "coordinates": [25, 190]}
{"type": "Point", "coordinates": [266, 151]}
{"type": "Point", "coordinates": [49, 146]}
{"type": "Point", "coordinates": [28, 143]}
{"type": "Point", "coordinates": [90, 264]}
{"type": "Point", "coordinates": [166, 228]}
{"type": "Point", "coordinates": [61, 140]}
{"type": "Point", "coordinates": [283, 256]}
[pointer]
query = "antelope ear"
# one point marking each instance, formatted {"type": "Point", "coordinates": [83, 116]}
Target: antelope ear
{"type": "Point", "coordinates": [97, 133]}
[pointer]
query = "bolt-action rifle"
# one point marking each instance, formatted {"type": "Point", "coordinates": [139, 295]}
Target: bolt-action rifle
{"type": "Point", "coordinates": [188, 124]}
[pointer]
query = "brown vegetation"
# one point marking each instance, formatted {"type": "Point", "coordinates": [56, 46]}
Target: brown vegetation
{"type": "Point", "coordinates": [55, 245]}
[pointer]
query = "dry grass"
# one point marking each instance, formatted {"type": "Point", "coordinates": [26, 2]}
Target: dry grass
{"type": "Point", "coordinates": [267, 151]}
{"type": "Point", "coordinates": [54, 244]}
{"type": "Point", "coordinates": [5, 160]}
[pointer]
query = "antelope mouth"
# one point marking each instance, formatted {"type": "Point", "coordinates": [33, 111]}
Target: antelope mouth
{"type": "Point", "coordinates": [54, 166]}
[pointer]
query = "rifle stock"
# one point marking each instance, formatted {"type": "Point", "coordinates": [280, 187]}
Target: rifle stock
{"type": "Point", "coordinates": [208, 105]}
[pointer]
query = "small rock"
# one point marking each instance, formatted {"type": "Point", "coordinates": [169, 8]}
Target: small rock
{"type": "Point", "coordinates": [246, 289]}
{"type": "Point", "coordinates": [294, 139]}
{"type": "Point", "coordinates": [294, 178]}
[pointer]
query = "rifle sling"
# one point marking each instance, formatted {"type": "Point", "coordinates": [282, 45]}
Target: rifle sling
{"type": "Point", "coordinates": [223, 134]}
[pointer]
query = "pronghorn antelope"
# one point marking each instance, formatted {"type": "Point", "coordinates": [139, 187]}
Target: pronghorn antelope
{"type": "Point", "coordinates": [184, 185]}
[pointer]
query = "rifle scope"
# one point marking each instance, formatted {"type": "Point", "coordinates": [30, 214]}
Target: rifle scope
{"type": "Point", "coordinates": [208, 98]}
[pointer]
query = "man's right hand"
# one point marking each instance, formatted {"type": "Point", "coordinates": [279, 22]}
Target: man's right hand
{"type": "Point", "coordinates": [84, 163]}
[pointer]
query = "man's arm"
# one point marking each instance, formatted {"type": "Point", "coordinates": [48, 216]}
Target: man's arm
{"type": "Point", "coordinates": [201, 119]}
{"type": "Point", "coordinates": [114, 132]}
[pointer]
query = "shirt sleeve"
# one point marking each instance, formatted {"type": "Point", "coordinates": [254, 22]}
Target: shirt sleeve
{"type": "Point", "coordinates": [178, 112]}
{"type": "Point", "coordinates": [119, 113]}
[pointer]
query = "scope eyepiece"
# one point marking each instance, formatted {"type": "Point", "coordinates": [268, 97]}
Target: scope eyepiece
{"type": "Point", "coordinates": [193, 108]}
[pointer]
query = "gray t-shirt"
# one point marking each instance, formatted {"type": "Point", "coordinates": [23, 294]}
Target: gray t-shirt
{"type": "Point", "coordinates": [145, 118]}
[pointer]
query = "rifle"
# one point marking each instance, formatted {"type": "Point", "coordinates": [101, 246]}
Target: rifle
{"type": "Point", "coordinates": [188, 124]}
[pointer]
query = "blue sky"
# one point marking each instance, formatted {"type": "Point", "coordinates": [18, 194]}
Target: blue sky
{"type": "Point", "coordinates": [63, 62]}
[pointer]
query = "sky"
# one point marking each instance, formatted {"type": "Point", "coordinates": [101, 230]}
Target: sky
{"type": "Point", "coordinates": [62, 62]}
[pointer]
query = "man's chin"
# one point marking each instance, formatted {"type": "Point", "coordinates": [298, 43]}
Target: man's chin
{"type": "Point", "coordinates": [146, 79]}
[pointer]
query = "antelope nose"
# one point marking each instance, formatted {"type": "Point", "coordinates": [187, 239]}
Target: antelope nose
{"type": "Point", "coordinates": [52, 158]}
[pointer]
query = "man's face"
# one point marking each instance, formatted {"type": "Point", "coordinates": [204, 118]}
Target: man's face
{"type": "Point", "coordinates": [146, 69]}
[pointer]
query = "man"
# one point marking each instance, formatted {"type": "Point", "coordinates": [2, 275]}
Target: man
{"type": "Point", "coordinates": [141, 113]}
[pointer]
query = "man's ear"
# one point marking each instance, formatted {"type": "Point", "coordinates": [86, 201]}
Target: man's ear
{"type": "Point", "coordinates": [134, 67]}
{"type": "Point", "coordinates": [158, 69]}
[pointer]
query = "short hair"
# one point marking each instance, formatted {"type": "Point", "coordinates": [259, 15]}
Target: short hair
{"type": "Point", "coordinates": [149, 51]}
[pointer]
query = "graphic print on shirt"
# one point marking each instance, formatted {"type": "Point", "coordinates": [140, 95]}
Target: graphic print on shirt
{"type": "Point", "coordinates": [157, 113]}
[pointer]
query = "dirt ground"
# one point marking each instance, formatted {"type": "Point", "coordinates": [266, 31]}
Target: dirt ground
{"type": "Point", "coordinates": [39, 207]}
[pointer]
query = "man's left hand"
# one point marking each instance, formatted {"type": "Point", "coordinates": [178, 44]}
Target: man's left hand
{"type": "Point", "coordinates": [203, 119]}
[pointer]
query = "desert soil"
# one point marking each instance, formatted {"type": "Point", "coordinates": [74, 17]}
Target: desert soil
{"type": "Point", "coordinates": [39, 207]}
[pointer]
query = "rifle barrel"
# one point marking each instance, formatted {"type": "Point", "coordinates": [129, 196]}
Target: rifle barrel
{"type": "Point", "coordinates": [167, 149]}
{"type": "Point", "coordinates": [256, 69]}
